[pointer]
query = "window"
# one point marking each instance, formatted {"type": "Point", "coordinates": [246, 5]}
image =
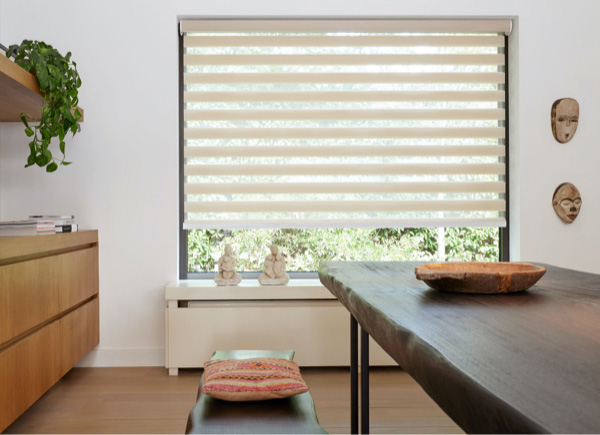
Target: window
{"type": "Point", "coordinates": [331, 124]}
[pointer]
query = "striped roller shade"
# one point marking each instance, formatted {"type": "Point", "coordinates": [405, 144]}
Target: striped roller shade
{"type": "Point", "coordinates": [344, 123]}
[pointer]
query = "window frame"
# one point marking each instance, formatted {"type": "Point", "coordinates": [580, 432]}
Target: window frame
{"type": "Point", "coordinates": [504, 232]}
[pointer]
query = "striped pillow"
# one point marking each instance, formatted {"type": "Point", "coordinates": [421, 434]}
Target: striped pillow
{"type": "Point", "coordinates": [252, 379]}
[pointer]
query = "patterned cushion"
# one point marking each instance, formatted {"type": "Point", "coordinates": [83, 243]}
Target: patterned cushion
{"type": "Point", "coordinates": [252, 379]}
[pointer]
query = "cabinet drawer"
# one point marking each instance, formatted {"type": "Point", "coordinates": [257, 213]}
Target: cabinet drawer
{"type": "Point", "coordinates": [78, 276]}
{"type": "Point", "coordinates": [79, 334]}
{"type": "Point", "coordinates": [28, 296]}
{"type": "Point", "coordinates": [28, 369]}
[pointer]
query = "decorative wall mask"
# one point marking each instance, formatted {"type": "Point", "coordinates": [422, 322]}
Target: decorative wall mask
{"type": "Point", "coordinates": [567, 202]}
{"type": "Point", "coordinates": [564, 117]}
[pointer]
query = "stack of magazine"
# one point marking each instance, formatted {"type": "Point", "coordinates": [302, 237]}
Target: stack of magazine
{"type": "Point", "coordinates": [20, 228]}
{"type": "Point", "coordinates": [38, 225]}
{"type": "Point", "coordinates": [60, 223]}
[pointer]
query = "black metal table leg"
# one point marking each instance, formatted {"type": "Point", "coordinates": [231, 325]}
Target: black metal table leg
{"type": "Point", "coordinates": [353, 375]}
{"type": "Point", "coordinates": [364, 381]}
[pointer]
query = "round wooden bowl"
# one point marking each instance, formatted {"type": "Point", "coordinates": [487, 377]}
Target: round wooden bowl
{"type": "Point", "coordinates": [480, 277]}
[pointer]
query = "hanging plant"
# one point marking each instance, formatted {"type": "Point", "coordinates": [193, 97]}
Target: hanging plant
{"type": "Point", "coordinates": [59, 82]}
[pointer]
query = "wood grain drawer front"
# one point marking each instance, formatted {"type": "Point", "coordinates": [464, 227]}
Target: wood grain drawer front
{"type": "Point", "coordinates": [28, 296]}
{"type": "Point", "coordinates": [27, 370]}
{"type": "Point", "coordinates": [79, 334]}
{"type": "Point", "coordinates": [78, 276]}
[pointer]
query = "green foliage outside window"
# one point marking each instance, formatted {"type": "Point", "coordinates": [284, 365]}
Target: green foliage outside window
{"type": "Point", "coordinates": [304, 249]}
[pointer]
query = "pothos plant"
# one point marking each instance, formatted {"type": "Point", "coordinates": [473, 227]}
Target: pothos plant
{"type": "Point", "coordinates": [59, 82]}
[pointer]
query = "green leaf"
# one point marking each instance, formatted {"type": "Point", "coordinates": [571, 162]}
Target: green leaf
{"type": "Point", "coordinates": [11, 48]}
{"type": "Point", "coordinates": [54, 71]}
{"type": "Point", "coordinates": [62, 146]}
{"type": "Point", "coordinates": [66, 163]}
{"type": "Point", "coordinates": [25, 64]}
{"type": "Point", "coordinates": [41, 73]}
{"type": "Point", "coordinates": [28, 131]}
{"type": "Point", "coordinates": [69, 117]}
{"type": "Point", "coordinates": [53, 83]}
{"type": "Point", "coordinates": [30, 160]}
{"type": "Point", "coordinates": [52, 167]}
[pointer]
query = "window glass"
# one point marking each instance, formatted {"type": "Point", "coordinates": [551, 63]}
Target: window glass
{"type": "Point", "coordinates": [304, 249]}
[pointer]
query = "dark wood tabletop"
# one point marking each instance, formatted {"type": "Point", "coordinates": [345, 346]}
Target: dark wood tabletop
{"type": "Point", "coordinates": [526, 362]}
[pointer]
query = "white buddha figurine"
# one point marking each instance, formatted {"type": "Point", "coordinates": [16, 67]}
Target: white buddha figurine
{"type": "Point", "coordinates": [226, 264]}
{"type": "Point", "coordinates": [274, 269]}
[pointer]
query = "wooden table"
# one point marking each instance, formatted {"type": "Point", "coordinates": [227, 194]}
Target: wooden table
{"type": "Point", "coordinates": [525, 362]}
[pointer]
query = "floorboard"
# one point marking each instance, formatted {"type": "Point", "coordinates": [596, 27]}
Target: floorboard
{"type": "Point", "coordinates": [127, 400]}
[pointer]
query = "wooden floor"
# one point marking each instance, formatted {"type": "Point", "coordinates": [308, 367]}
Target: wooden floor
{"type": "Point", "coordinates": [147, 400]}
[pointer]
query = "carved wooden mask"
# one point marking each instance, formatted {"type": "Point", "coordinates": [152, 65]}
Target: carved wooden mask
{"type": "Point", "coordinates": [567, 202]}
{"type": "Point", "coordinates": [564, 117]}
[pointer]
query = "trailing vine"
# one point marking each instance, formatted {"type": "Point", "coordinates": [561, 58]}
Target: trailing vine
{"type": "Point", "coordinates": [59, 82]}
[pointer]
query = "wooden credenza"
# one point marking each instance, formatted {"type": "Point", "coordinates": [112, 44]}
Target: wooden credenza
{"type": "Point", "coordinates": [49, 317]}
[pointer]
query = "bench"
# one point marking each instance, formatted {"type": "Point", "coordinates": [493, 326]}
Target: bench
{"type": "Point", "coordinates": [295, 414]}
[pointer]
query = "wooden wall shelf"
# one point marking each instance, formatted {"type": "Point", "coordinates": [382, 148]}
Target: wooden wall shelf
{"type": "Point", "coordinates": [19, 92]}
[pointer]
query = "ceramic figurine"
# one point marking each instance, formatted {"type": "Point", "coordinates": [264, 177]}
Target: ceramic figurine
{"type": "Point", "coordinates": [564, 117]}
{"type": "Point", "coordinates": [567, 202]}
{"type": "Point", "coordinates": [226, 264]}
{"type": "Point", "coordinates": [274, 269]}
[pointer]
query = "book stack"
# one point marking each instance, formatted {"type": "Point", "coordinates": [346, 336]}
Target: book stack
{"type": "Point", "coordinates": [45, 227]}
{"type": "Point", "coordinates": [59, 223]}
{"type": "Point", "coordinates": [26, 228]}
{"type": "Point", "coordinates": [18, 228]}
{"type": "Point", "coordinates": [38, 225]}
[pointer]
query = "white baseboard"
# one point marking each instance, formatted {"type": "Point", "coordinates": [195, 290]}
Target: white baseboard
{"type": "Point", "coordinates": [123, 358]}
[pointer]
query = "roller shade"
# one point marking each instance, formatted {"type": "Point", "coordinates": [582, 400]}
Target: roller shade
{"type": "Point", "coordinates": [350, 123]}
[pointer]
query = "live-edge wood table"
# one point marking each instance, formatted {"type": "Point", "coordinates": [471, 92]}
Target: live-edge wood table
{"type": "Point", "coordinates": [525, 362]}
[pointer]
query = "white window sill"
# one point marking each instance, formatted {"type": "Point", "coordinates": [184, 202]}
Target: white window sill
{"type": "Point", "coordinates": [203, 289]}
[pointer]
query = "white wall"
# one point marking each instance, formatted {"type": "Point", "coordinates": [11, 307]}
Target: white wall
{"type": "Point", "coordinates": [124, 180]}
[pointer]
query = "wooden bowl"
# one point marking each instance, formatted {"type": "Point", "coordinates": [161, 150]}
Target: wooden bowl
{"type": "Point", "coordinates": [480, 277]}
